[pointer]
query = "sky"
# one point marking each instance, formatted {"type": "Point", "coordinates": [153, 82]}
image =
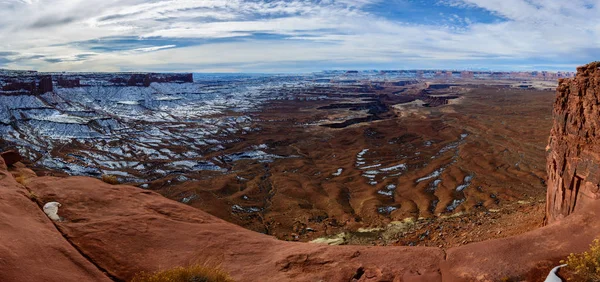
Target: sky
{"type": "Point", "coordinates": [297, 35]}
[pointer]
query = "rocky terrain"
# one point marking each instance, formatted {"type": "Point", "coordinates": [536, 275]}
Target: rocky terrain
{"type": "Point", "coordinates": [573, 162]}
{"type": "Point", "coordinates": [112, 232]}
{"type": "Point", "coordinates": [415, 162]}
{"type": "Point", "coordinates": [363, 158]}
{"type": "Point", "coordinates": [435, 164]}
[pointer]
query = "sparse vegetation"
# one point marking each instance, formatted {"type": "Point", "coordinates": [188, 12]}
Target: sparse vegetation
{"type": "Point", "coordinates": [110, 179]}
{"type": "Point", "coordinates": [32, 195]}
{"type": "Point", "coordinates": [585, 266]}
{"type": "Point", "coordinates": [20, 179]}
{"type": "Point", "coordinates": [194, 273]}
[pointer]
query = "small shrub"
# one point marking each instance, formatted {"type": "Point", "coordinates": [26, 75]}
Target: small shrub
{"type": "Point", "coordinates": [110, 179]}
{"type": "Point", "coordinates": [195, 273]}
{"type": "Point", "coordinates": [32, 196]}
{"type": "Point", "coordinates": [585, 266]}
{"type": "Point", "coordinates": [20, 179]}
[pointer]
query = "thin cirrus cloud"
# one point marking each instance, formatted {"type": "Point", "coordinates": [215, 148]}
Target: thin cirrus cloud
{"type": "Point", "coordinates": [296, 35]}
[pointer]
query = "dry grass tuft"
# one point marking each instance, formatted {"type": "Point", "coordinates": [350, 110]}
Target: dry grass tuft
{"type": "Point", "coordinates": [32, 195]}
{"type": "Point", "coordinates": [194, 273]}
{"type": "Point", "coordinates": [20, 179]}
{"type": "Point", "coordinates": [585, 266]}
{"type": "Point", "coordinates": [110, 179]}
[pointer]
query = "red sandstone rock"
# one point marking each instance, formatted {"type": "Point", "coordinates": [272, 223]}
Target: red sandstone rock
{"type": "Point", "coordinates": [126, 230]}
{"type": "Point", "coordinates": [45, 85]}
{"type": "Point", "coordinates": [525, 257]}
{"type": "Point", "coordinates": [31, 249]}
{"type": "Point", "coordinates": [65, 82]}
{"type": "Point", "coordinates": [573, 163]}
{"type": "Point", "coordinates": [35, 85]}
{"type": "Point", "coordinates": [140, 79]}
{"type": "Point", "coordinates": [19, 86]}
{"type": "Point", "coordinates": [10, 157]}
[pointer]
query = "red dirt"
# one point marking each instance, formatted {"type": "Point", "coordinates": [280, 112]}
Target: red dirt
{"type": "Point", "coordinates": [300, 199]}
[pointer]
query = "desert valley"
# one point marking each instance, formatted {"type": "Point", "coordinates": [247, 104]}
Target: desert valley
{"type": "Point", "coordinates": [392, 158]}
{"type": "Point", "coordinates": [299, 140]}
{"type": "Point", "coordinates": [422, 164]}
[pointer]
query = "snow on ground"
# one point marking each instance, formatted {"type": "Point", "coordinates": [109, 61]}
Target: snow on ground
{"type": "Point", "coordinates": [137, 132]}
{"type": "Point", "coordinates": [392, 168]}
{"type": "Point", "coordinates": [338, 172]}
{"type": "Point", "coordinates": [434, 174]}
{"type": "Point", "coordinates": [465, 184]}
{"type": "Point", "coordinates": [454, 205]}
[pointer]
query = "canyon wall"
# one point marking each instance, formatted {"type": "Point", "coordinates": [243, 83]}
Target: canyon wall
{"type": "Point", "coordinates": [574, 148]}
{"type": "Point", "coordinates": [34, 83]}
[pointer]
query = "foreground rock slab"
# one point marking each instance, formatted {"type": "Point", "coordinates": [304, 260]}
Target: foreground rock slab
{"type": "Point", "coordinates": [526, 257]}
{"type": "Point", "coordinates": [31, 248]}
{"type": "Point", "coordinates": [126, 230]}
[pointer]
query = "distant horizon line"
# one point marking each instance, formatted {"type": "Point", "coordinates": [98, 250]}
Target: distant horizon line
{"type": "Point", "coordinates": [299, 72]}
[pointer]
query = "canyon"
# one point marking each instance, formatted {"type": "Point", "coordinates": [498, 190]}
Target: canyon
{"type": "Point", "coordinates": [357, 155]}
{"type": "Point", "coordinates": [448, 173]}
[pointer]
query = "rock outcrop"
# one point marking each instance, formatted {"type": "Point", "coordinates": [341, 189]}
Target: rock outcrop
{"type": "Point", "coordinates": [122, 229]}
{"type": "Point", "coordinates": [66, 82]}
{"type": "Point", "coordinates": [574, 160]}
{"type": "Point", "coordinates": [31, 248]}
{"type": "Point", "coordinates": [10, 157]}
{"type": "Point", "coordinates": [145, 79]}
{"type": "Point", "coordinates": [34, 83]}
{"type": "Point", "coordinates": [125, 230]}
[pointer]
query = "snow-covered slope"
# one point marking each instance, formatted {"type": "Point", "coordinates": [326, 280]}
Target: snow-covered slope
{"type": "Point", "coordinates": [137, 127]}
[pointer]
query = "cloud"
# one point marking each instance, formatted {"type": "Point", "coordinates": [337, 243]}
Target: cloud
{"type": "Point", "coordinates": [154, 48]}
{"type": "Point", "coordinates": [51, 22]}
{"type": "Point", "coordinates": [307, 35]}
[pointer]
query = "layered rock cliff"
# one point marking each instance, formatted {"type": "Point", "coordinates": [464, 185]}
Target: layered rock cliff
{"type": "Point", "coordinates": [34, 83]}
{"type": "Point", "coordinates": [574, 158]}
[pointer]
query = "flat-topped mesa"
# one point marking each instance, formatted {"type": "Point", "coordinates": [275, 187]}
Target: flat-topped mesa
{"type": "Point", "coordinates": [30, 84]}
{"type": "Point", "coordinates": [145, 79]}
{"type": "Point", "coordinates": [574, 160]}
{"type": "Point", "coordinates": [34, 83]}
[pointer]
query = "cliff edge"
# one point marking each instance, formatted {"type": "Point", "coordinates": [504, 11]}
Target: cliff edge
{"type": "Point", "coordinates": [574, 157]}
